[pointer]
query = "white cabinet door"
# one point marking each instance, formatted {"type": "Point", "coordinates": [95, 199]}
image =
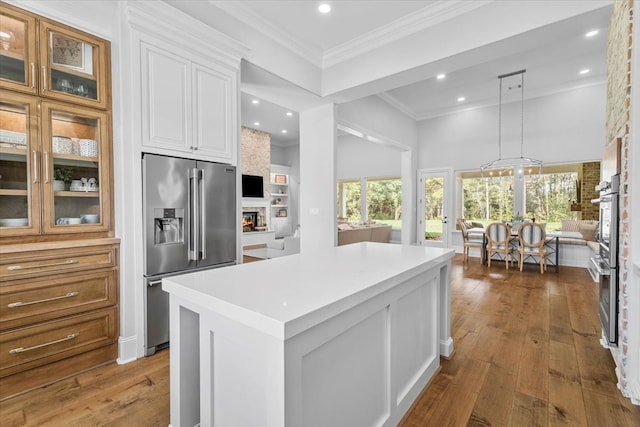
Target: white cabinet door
{"type": "Point", "coordinates": [166, 99]}
{"type": "Point", "coordinates": [215, 104]}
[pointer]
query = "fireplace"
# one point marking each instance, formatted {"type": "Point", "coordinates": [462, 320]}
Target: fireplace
{"type": "Point", "coordinates": [249, 221]}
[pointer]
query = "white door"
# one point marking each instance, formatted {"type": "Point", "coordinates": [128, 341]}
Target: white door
{"type": "Point", "coordinates": [433, 208]}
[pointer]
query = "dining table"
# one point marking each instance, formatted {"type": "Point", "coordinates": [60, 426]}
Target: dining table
{"type": "Point", "coordinates": [551, 243]}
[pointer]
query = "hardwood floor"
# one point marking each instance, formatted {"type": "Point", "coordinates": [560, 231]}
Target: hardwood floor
{"type": "Point", "coordinates": [527, 354]}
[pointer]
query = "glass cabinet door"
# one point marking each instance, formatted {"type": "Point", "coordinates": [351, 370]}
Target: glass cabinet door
{"type": "Point", "coordinates": [17, 50]}
{"type": "Point", "coordinates": [72, 65]}
{"type": "Point", "coordinates": [19, 156]}
{"type": "Point", "coordinates": [76, 178]}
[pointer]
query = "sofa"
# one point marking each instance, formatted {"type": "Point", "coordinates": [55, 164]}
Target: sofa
{"type": "Point", "coordinates": [354, 233]}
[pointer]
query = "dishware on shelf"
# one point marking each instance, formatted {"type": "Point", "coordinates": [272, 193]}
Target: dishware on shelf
{"type": "Point", "coordinates": [69, 221]}
{"type": "Point", "coordinates": [90, 218]}
{"type": "Point", "coordinates": [11, 137]}
{"type": "Point", "coordinates": [62, 145]}
{"type": "Point", "coordinates": [14, 222]}
{"type": "Point", "coordinates": [64, 85]}
{"type": "Point", "coordinates": [88, 148]}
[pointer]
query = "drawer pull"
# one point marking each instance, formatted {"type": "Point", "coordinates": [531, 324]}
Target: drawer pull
{"type": "Point", "coordinates": [20, 303]}
{"type": "Point", "coordinates": [22, 350]}
{"type": "Point", "coordinates": [19, 267]}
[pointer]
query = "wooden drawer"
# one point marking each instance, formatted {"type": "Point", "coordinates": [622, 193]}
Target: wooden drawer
{"type": "Point", "coordinates": [29, 347]}
{"type": "Point", "coordinates": [45, 263]}
{"type": "Point", "coordinates": [28, 301]}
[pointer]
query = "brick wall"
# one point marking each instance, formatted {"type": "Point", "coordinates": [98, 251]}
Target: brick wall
{"type": "Point", "coordinates": [256, 155]}
{"type": "Point", "coordinates": [590, 178]}
{"type": "Point", "coordinates": [619, 54]}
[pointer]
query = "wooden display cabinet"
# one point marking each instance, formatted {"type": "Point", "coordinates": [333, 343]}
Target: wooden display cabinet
{"type": "Point", "coordinates": [43, 57]}
{"type": "Point", "coordinates": [72, 138]}
{"type": "Point", "coordinates": [59, 260]}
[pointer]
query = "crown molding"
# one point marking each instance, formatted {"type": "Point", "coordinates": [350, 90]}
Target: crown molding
{"type": "Point", "coordinates": [398, 105]}
{"type": "Point", "coordinates": [247, 15]}
{"type": "Point", "coordinates": [201, 38]}
{"type": "Point", "coordinates": [433, 14]}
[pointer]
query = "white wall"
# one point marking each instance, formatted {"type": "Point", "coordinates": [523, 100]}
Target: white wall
{"type": "Point", "coordinates": [564, 127]}
{"type": "Point", "coordinates": [357, 158]}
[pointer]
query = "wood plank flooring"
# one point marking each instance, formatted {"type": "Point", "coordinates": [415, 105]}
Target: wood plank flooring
{"type": "Point", "coordinates": [527, 354]}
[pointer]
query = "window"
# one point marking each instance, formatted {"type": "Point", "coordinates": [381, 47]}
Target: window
{"type": "Point", "coordinates": [546, 197]}
{"type": "Point", "coordinates": [384, 201]}
{"type": "Point", "coordinates": [349, 200]}
{"type": "Point", "coordinates": [487, 200]}
{"type": "Point", "coordinates": [382, 198]}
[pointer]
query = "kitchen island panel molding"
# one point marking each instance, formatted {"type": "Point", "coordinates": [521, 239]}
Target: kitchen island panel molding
{"type": "Point", "coordinates": [305, 365]}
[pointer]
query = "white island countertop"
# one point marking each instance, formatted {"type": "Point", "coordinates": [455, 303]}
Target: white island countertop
{"type": "Point", "coordinates": [285, 296]}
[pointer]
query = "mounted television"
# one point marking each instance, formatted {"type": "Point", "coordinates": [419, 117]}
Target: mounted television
{"type": "Point", "coordinates": [252, 186]}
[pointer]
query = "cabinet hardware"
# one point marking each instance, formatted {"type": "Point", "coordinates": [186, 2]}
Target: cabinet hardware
{"type": "Point", "coordinates": [33, 75]}
{"type": "Point", "coordinates": [22, 304]}
{"type": "Point", "coordinates": [22, 349]}
{"type": "Point", "coordinates": [20, 267]}
{"type": "Point", "coordinates": [35, 166]}
{"type": "Point", "coordinates": [44, 78]}
{"type": "Point", "coordinates": [46, 167]}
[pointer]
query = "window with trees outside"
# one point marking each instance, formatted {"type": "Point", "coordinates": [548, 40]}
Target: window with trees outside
{"type": "Point", "coordinates": [547, 196]}
{"type": "Point", "coordinates": [382, 198]}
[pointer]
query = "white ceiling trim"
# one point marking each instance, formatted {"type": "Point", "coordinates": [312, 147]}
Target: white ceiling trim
{"type": "Point", "coordinates": [398, 105]}
{"type": "Point", "coordinates": [436, 13]}
{"type": "Point", "coordinates": [247, 15]}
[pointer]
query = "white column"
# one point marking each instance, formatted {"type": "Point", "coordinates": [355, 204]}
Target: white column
{"type": "Point", "coordinates": [318, 223]}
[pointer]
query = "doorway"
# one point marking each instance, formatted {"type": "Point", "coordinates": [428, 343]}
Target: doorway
{"type": "Point", "coordinates": [434, 201]}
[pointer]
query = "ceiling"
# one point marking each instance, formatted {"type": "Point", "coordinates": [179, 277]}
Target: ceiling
{"type": "Point", "coordinates": [553, 57]}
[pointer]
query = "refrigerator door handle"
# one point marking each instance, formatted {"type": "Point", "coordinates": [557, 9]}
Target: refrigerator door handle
{"type": "Point", "coordinates": [203, 217]}
{"type": "Point", "coordinates": [193, 220]}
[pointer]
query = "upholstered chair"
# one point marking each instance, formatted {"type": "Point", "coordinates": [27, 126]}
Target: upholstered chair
{"type": "Point", "coordinates": [469, 241]}
{"type": "Point", "coordinates": [531, 237]}
{"type": "Point", "coordinates": [498, 237]}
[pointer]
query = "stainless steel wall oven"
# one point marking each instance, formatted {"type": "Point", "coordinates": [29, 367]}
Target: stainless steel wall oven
{"type": "Point", "coordinates": [607, 260]}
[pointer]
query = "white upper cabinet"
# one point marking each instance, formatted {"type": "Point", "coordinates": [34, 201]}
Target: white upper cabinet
{"type": "Point", "coordinates": [214, 108]}
{"type": "Point", "coordinates": [188, 93]}
{"type": "Point", "coordinates": [166, 100]}
{"type": "Point", "coordinates": [187, 106]}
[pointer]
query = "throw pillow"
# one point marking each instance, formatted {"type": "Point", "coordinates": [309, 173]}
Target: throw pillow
{"type": "Point", "coordinates": [588, 231]}
{"type": "Point", "coordinates": [344, 227]}
{"type": "Point", "coordinates": [570, 225]}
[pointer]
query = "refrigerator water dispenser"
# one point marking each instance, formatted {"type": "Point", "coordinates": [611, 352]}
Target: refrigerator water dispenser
{"type": "Point", "coordinates": [168, 226]}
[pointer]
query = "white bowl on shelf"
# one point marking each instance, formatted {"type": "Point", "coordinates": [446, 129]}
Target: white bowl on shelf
{"type": "Point", "coordinates": [14, 222]}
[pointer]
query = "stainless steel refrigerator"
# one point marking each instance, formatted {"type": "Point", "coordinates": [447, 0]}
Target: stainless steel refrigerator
{"type": "Point", "coordinates": [190, 223]}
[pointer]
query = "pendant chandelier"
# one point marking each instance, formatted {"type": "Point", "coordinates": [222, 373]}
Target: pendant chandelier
{"type": "Point", "coordinates": [504, 166]}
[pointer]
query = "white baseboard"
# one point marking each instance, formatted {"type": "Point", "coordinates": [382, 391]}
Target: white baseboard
{"type": "Point", "coordinates": [127, 350]}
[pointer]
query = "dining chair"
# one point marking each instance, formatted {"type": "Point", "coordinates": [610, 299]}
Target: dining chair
{"type": "Point", "coordinates": [531, 238]}
{"type": "Point", "coordinates": [498, 237]}
{"type": "Point", "coordinates": [469, 241]}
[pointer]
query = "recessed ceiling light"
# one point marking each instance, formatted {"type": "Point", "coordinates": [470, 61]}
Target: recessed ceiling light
{"type": "Point", "coordinates": [585, 71]}
{"type": "Point", "coordinates": [255, 101]}
{"type": "Point", "coordinates": [289, 113]}
{"type": "Point", "coordinates": [324, 8]}
{"type": "Point", "coordinates": [462, 98]}
{"type": "Point", "coordinates": [440, 76]}
{"type": "Point", "coordinates": [283, 131]}
{"type": "Point", "coordinates": [256, 123]}
{"type": "Point", "coordinates": [592, 33]}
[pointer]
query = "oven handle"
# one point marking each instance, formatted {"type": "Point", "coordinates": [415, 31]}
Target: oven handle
{"type": "Point", "coordinates": [596, 263]}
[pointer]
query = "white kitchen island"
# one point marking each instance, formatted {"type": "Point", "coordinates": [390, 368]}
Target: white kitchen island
{"type": "Point", "coordinates": [342, 337]}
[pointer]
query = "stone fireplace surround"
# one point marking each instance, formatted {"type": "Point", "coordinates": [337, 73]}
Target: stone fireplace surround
{"type": "Point", "coordinates": [259, 209]}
